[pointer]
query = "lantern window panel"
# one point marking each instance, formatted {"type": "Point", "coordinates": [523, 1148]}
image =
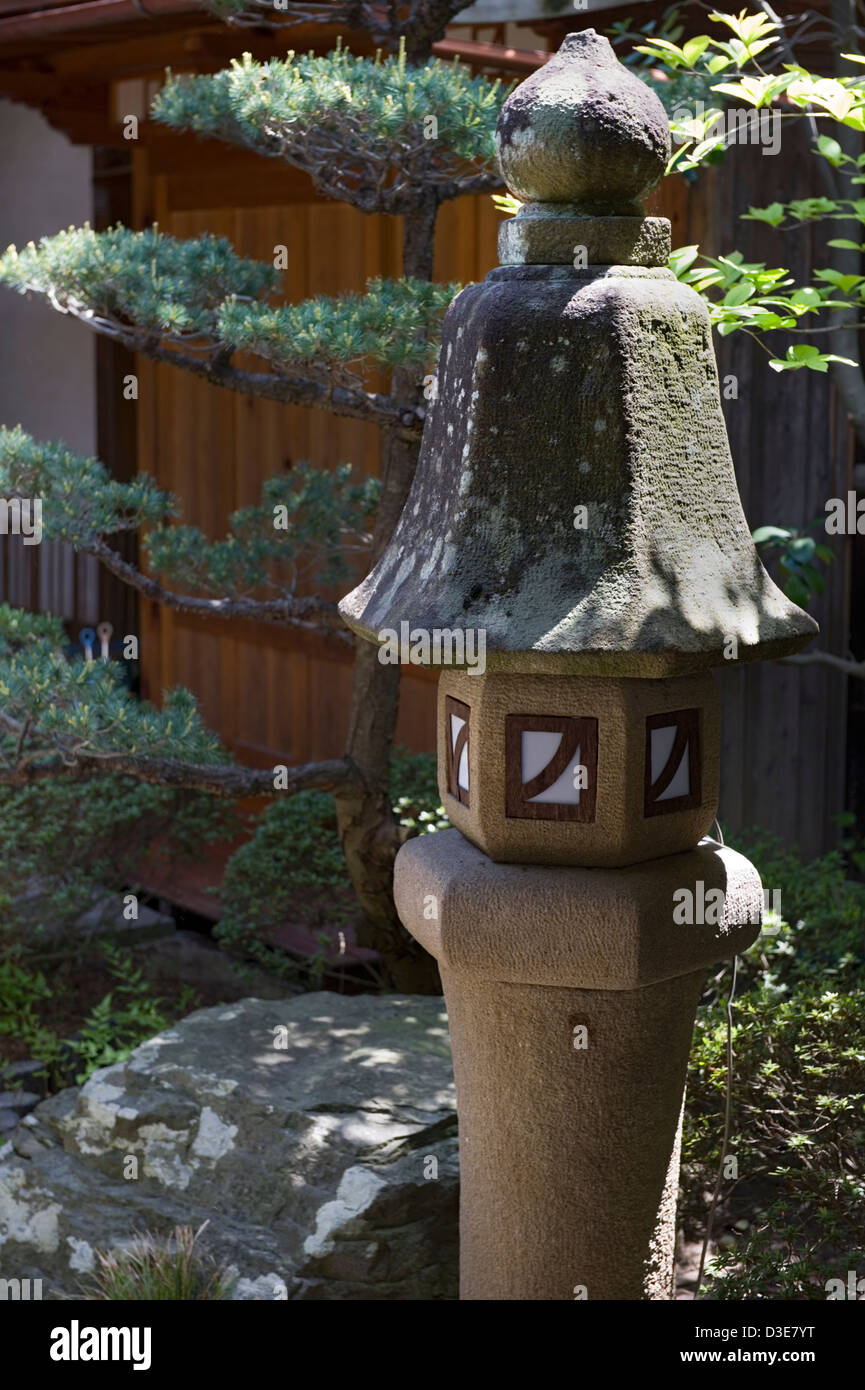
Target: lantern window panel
{"type": "Point", "coordinates": [673, 771]}
{"type": "Point", "coordinates": [551, 764]}
{"type": "Point", "coordinates": [457, 723]}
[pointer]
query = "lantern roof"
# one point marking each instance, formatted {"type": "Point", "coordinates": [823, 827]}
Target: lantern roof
{"type": "Point", "coordinates": [575, 498]}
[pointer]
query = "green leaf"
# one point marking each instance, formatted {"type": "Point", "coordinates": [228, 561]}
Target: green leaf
{"type": "Point", "coordinates": [845, 283]}
{"type": "Point", "coordinates": [813, 578]}
{"type": "Point", "coordinates": [741, 292]}
{"type": "Point", "coordinates": [682, 259]}
{"type": "Point", "coordinates": [831, 150]}
{"type": "Point", "coordinates": [748, 28]}
{"type": "Point", "coordinates": [664, 49]}
{"type": "Point", "coordinates": [756, 91]}
{"type": "Point", "coordinates": [805, 208]}
{"type": "Point", "coordinates": [770, 533]}
{"type": "Point", "coordinates": [808, 297]}
{"type": "Point", "coordinates": [773, 214]}
{"type": "Point", "coordinates": [806, 356]}
{"type": "Point", "coordinates": [693, 49]}
{"type": "Point", "coordinates": [802, 548]}
{"type": "Point", "coordinates": [797, 591]}
{"type": "Point", "coordinates": [507, 203]}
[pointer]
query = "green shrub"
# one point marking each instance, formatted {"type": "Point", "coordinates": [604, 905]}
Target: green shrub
{"type": "Point", "coordinates": [293, 866]}
{"type": "Point", "coordinates": [799, 1083]}
{"type": "Point", "coordinates": [66, 838]}
{"type": "Point", "coordinates": [414, 792]}
{"type": "Point", "coordinates": [821, 933]}
{"type": "Point", "coordinates": [798, 1127]}
{"type": "Point", "coordinates": [125, 1017]}
{"type": "Point", "coordinates": [295, 849]}
{"type": "Point", "coordinates": [795, 1247]}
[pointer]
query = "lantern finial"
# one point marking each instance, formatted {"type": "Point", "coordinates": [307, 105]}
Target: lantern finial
{"type": "Point", "coordinates": [583, 130]}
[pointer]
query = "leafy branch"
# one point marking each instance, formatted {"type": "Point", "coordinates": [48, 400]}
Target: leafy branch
{"type": "Point", "coordinates": [754, 298]}
{"type": "Point", "coordinates": [799, 557]}
{"type": "Point", "coordinates": [750, 297]}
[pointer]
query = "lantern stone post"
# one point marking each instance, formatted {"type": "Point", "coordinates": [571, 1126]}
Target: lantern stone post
{"type": "Point", "coordinates": [575, 504]}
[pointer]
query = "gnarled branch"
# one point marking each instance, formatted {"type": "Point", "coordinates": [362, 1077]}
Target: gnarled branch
{"type": "Point", "coordinates": [310, 614]}
{"type": "Point", "coordinates": [840, 663]}
{"type": "Point", "coordinates": [216, 368]}
{"type": "Point", "coordinates": [221, 780]}
{"type": "Point", "coordinates": [424, 23]}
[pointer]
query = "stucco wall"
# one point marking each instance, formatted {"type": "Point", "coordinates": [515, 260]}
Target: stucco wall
{"type": "Point", "coordinates": [47, 362]}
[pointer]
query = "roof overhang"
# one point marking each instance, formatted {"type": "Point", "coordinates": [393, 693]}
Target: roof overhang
{"type": "Point", "coordinates": [524, 11]}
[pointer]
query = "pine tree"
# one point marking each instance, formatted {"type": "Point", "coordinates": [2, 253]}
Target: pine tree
{"type": "Point", "coordinates": [397, 134]}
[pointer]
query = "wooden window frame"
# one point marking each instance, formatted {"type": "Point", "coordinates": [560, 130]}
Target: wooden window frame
{"type": "Point", "coordinates": [687, 722]}
{"type": "Point", "coordinates": [454, 754]}
{"type": "Point", "coordinates": [584, 735]}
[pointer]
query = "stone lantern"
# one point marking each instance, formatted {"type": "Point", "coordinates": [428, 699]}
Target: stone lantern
{"type": "Point", "coordinates": [575, 502]}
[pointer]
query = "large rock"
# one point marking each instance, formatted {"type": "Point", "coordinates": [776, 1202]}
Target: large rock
{"type": "Point", "coordinates": [317, 1136]}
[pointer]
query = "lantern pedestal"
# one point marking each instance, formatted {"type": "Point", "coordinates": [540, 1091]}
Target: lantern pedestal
{"type": "Point", "coordinates": [571, 996]}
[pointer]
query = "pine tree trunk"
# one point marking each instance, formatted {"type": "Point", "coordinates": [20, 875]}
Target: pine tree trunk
{"type": "Point", "coordinates": [369, 832]}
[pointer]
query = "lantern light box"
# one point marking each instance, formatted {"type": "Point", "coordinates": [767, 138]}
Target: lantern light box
{"type": "Point", "coordinates": [578, 769]}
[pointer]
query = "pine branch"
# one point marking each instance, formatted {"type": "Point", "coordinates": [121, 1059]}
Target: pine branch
{"type": "Point", "coordinates": [384, 135]}
{"type": "Point", "coordinates": [307, 526]}
{"type": "Point", "coordinates": [485, 181]}
{"type": "Point", "coordinates": [62, 718]}
{"type": "Point", "coordinates": [194, 303]}
{"type": "Point", "coordinates": [394, 323]}
{"type": "Point", "coordinates": [230, 781]}
{"type": "Point", "coordinates": [309, 614]}
{"type": "Point", "coordinates": [286, 386]}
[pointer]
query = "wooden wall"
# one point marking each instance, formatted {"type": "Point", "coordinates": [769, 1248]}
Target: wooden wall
{"type": "Point", "coordinates": [276, 696]}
